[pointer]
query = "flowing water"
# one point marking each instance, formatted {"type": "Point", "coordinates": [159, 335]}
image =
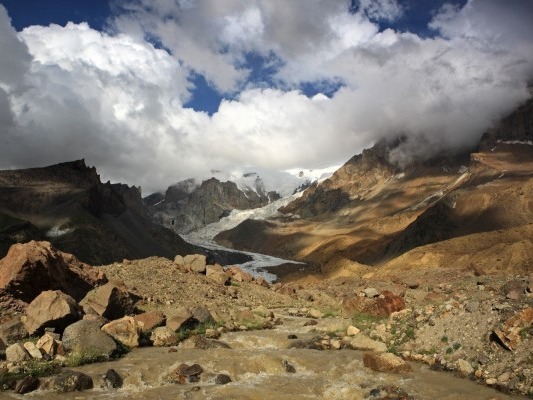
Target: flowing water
{"type": "Point", "coordinates": [255, 364]}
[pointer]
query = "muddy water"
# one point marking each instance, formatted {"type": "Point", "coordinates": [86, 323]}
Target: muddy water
{"type": "Point", "coordinates": [255, 364]}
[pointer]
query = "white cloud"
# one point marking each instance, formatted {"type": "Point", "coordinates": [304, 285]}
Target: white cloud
{"type": "Point", "coordinates": [71, 92]}
{"type": "Point", "coordinates": [388, 10]}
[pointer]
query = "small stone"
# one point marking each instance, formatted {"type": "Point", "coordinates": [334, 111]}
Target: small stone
{"type": "Point", "coordinates": [464, 367]}
{"type": "Point", "coordinates": [385, 362]}
{"type": "Point", "coordinates": [352, 331]}
{"type": "Point", "coordinates": [314, 313]}
{"type": "Point", "coordinates": [289, 368]}
{"type": "Point", "coordinates": [311, 322]}
{"type": "Point", "coordinates": [371, 292]}
{"type": "Point", "coordinates": [335, 344]}
{"type": "Point", "coordinates": [472, 306]}
{"type": "Point", "coordinates": [222, 379]}
{"type": "Point", "coordinates": [490, 381]}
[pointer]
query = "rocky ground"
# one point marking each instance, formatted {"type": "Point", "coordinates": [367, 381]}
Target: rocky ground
{"type": "Point", "coordinates": [464, 323]}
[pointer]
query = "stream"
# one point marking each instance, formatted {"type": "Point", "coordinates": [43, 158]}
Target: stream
{"type": "Point", "coordinates": [256, 366]}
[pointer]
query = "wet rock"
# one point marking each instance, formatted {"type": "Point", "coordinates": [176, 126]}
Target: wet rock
{"type": "Point", "coordinates": [13, 331]}
{"type": "Point", "coordinates": [17, 353]}
{"type": "Point", "coordinates": [72, 381]}
{"type": "Point", "coordinates": [385, 362]}
{"type": "Point", "coordinates": [52, 308]}
{"type": "Point", "coordinates": [113, 379]}
{"type": "Point", "coordinates": [33, 267]}
{"type": "Point", "coordinates": [222, 379]}
{"type": "Point", "coordinates": [187, 373]}
{"type": "Point", "coordinates": [27, 384]}
{"type": "Point", "coordinates": [464, 367]}
{"type": "Point", "coordinates": [196, 262]}
{"type": "Point", "coordinates": [151, 320]}
{"type": "Point", "coordinates": [289, 368]}
{"type": "Point", "coordinates": [363, 342]}
{"type": "Point", "coordinates": [292, 336]}
{"type": "Point", "coordinates": [124, 330]}
{"type": "Point", "coordinates": [110, 301]}
{"type": "Point", "coordinates": [389, 392]}
{"type": "Point", "coordinates": [86, 337]}
{"type": "Point", "coordinates": [199, 342]}
{"type": "Point", "coordinates": [509, 333]}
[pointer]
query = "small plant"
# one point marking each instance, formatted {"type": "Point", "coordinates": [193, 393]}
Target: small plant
{"type": "Point", "coordinates": [410, 333]}
{"type": "Point", "coordinates": [77, 358]}
{"type": "Point", "coordinates": [365, 321]}
{"type": "Point", "coordinates": [449, 350]}
{"type": "Point", "coordinates": [457, 346]}
{"type": "Point", "coordinates": [444, 339]}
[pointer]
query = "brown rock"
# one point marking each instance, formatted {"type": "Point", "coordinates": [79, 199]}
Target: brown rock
{"type": "Point", "coordinates": [196, 262]}
{"type": "Point", "coordinates": [52, 308]}
{"type": "Point", "coordinates": [238, 275]}
{"type": "Point", "coordinates": [30, 268]}
{"type": "Point", "coordinates": [72, 381]}
{"type": "Point", "coordinates": [164, 336]}
{"type": "Point", "coordinates": [216, 274]}
{"type": "Point", "coordinates": [125, 330]}
{"type": "Point", "coordinates": [384, 305]}
{"type": "Point", "coordinates": [182, 319]}
{"type": "Point", "coordinates": [388, 303]}
{"type": "Point", "coordinates": [47, 344]}
{"type": "Point", "coordinates": [12, 331]}
{"type": "Point", "coordinates": [110, 301]}
{"type": "Point", "coordinates": [385, 362]}
{"type": "Point", "coordinates": [509, 333]}
{"type": "Point", "coordinates": [16, 353]}
{"type": "Point", "coordinates": [151, 320]}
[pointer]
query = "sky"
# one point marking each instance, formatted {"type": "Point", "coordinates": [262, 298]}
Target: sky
{"type": "Point", "coordinates": [155, 91]}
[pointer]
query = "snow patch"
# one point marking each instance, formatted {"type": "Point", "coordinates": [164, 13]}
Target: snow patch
{"type": "Point", "coordinates": [56, 232]}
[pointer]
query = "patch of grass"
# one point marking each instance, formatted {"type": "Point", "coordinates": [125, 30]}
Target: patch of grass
{"type": "Point", "coordinates": [410, 333]}
{"type": "Point", "coordinates": [457, 346]}
{"type": "Point", "coordinates": [36, 368]}
{"type": "Point", "coordinates": [365, 321]}
{"type": "Point", "coordinates": [444, 339]}
{"type": "Point", "coordinates": [77, 358]}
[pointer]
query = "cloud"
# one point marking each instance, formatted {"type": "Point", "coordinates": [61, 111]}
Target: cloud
{"type": "Point", "coordinates": [387, 10]}
{"type": "Point", "coordinates": [117, 98]}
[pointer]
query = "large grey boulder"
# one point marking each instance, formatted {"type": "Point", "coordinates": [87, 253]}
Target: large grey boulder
{"type": "Point", "coordinates": [86, 337]}
{"type": "Point", "coordinates": [52, 308]}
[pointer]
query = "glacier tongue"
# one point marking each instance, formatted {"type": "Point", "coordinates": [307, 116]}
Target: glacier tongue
{"type": "Point", "coordinates": [204, 236]}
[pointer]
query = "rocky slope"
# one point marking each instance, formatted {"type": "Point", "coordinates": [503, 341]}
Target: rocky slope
{"type": "Point", "coordinates": [449, 212]}
{"type": "Point", "coordinates": [69, 206]}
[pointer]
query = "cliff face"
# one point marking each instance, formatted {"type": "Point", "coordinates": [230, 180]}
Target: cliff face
{"type": "Point", "coordinates": [69, 206]}
{"type": "Point", "coordinates": [516, 126]}
{"type": "Point", "coordinates": [187, 207]}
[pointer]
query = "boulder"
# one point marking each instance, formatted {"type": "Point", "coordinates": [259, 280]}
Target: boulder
{"type": "Point", "coordinates": [509, 333]}
{"type": "Point", "coordinates": [52, 308]}
{"type": "Point", "coordinates": [27, 384]}
{"type": "Point", "coordinates": [86, 337]}
{"type": "Point", "coordinates": [72, 381]}
{"type": "Point", "coordinates": [203, 315]}
{"type": "Point", "coordinates": [125, 330]}
{"type": "Point", "coordinates": [222, 379]}
{"type": "Point", "coordinates": [164, 336]}
{"type": "Point", "coordinates": [371, 292]}
{"type": "Point", "coordinates": [151, 320]}
{"type": "Point", "coordinates": [196, 262]}
{"type": "Point", "coordinates": [33, 351]}
{"type": "Point", "coordinates": [113, 379]}
{"type": "Point", "coordinates": [385, 362]}
{"type": "Point", "coordinates": [12, 331]}
{"type": "Point", "coordinates": [238, 275]}
{"type": "Point", "coordinates": [47, 344]}
{"type": "Point", "coordinates": [17, 353]}
{"type": "Point", "coordinates": [182, 319]}
{"type": "Point", "coordinates": [30, 268]}
{"type": "Point", "coordinates": [352, 330]}
{"type": "Point", "coordinates": [387, 303]}
{"type": "Point", "coordinates": [110, 301]}
{"type": "Point", "coordinates": [363, 342]}
{"type": "Point", "coordinates": [216, 274]}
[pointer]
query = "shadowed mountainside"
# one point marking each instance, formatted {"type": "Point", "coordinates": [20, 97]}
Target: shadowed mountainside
{"type": "Point", "coordinates": [69, 206]}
